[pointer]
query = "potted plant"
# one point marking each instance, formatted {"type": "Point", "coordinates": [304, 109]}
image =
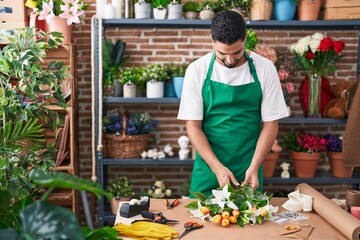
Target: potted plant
{"type": "Point", "coordinates": [121, 189]}
{"type": "Point", "coordinates": [191, 10]}
{"type": "Point", "coordinates": [113, 62]}
{"type": "Point", "coordinates": [159, 190]}
{"type": "Point", "coordinates": [251, 40]}
{"type": "Point", "coordinates": [130, 78]}
{"type": "Point", "coordinates": [160, 8]}
{"type": "Point", "coordinates": [175, 9]}
{"type": "Point", "coordinates": [27, 88]}
{"type": "Point", "coordinates": [208, 9]}
{"type": "Point", "coordinates": [59, 15]}
{"type": "Point", "coordinates": [142, 9]}
{"type": "Point", "coordinates": [309, 9]}
{"type": "Point", "coordinates": [177, 73]}
{"type": "Point", "coordinates": [269, 162]}
{"type": "Point", "coordinates": [305, 152]}
{"type": "Point", "coordinates": [240, 6]}
{"type": "Point", "coordinates": [154, 75]}
{"type": "Point", "coordinates": [335, 156]}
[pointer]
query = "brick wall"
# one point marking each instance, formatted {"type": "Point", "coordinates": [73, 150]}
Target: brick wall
{"type": "Point", "coordinates": [183, 45]}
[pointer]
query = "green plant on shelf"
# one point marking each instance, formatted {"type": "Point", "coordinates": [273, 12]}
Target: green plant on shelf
{"type": "Point", "coordinates": [121, 188]}
{"type": "Point", "coordinates": [191, 7]}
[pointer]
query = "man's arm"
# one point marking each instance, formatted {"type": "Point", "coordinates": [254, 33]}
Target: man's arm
{"type": "Point", "coordinates": [202, 146]}
{"type": "Point", "coordinates": [266, 140]}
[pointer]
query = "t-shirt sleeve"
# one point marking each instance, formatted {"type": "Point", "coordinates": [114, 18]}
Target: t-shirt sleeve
{"type": "Point", "coordinates": [191, 104]}
{"type": "Point", "coordinates": [273, 105]}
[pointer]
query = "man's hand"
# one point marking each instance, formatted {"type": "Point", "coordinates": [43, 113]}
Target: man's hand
{"type": "Point", "coordinates": [252, 178]}
{"type": "Point", "coordinates": [225, 176]}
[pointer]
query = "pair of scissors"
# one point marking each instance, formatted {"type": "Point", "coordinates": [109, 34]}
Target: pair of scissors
{"type": "Point", "coordinates": [171, 205]}
{"type": "Point", "coordinates": [189, 226]}
{"type": "Point", "coordinates": [157, 217]}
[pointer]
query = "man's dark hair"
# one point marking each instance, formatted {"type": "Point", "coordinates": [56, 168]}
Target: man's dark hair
{"type": "Point", "coordinates": [228, 27]}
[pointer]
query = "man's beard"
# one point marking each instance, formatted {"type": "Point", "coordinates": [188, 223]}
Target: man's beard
{"type": "Point", "coordinates": [232, 65]}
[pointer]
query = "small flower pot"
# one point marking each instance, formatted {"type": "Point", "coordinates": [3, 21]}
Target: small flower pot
{"type": "Point", "coordinates": [305, 164]}
{"type": "Point", "coordinates": [191, 15]}
{"type": "Point", "coordinates": [154, 89]}
{"type": "Point", "coordinates": [337, 165]}
{"type": "Point", "coordinates": [159, 13]}
{"type": "Point", "coordinates": [142, 10]}
{"type": "Point", "coordinates": [308, 10]}
{"type": "Point", "coordinates": [175, 11]}
{"type": "Point", "coordinates": [178, 85]}
{"type": "Point", "coordinates": [207, 14]}
{"type": "Point", "coordinates": [129, 90]}
{"type": "Point", "coordinates": [269, 164]}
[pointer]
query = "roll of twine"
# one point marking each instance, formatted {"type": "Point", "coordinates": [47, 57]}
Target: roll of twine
{"type": "Point", "coordinates": [352, 198]}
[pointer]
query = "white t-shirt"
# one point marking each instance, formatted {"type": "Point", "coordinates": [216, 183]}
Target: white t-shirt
{"type": "Point", "coordinates": [273, 105]}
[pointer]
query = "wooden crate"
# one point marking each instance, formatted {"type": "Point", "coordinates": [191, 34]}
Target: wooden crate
{"type": "Point", "coordinates": [340, 9]}
{"type": "Point", "coordinates": [12, 10]}
{"type": "Point", "coordinates": [340, 3]}
{"type": "Point", "coordinates": [340, 13]}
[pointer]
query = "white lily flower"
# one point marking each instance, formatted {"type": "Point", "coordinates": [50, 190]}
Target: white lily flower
{"type": "Point", "coordinates": [198, 214]}
{"type": "Point", "coordinates": [263, 210]}
{"type": "Point", "coordinates": [222, 198]}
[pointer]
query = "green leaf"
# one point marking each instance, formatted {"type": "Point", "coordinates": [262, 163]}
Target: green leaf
{"type": "Point", "coordinates": [105, 233]}
{"type": "Point", "coordinates": [192, 205]}
{"type": "Point", "coordinates": [202, 197]}
{"type": "Point", "coordinates": [67, 181]}
{"type": "Point", "coordinates": [43, 221]}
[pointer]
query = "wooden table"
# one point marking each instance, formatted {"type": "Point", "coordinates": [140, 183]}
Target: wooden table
{"type": "Point", "coordinates": [267, 231]}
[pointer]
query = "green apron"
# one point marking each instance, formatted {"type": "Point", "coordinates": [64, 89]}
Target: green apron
{"type": "Point", "coordinates": [231, 123]}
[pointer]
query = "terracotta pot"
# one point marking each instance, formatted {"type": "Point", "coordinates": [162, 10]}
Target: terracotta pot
{"type": "Point", "coordinates": [337, 166]}
{"type": "Point", "coordinates": [269, 164]}
{"type": "Point", "coordinates": [305, 164]}
{"type": "Point", "coordinates": [58, 24]}
{"type": "Point", "coordinates": [309, 9]}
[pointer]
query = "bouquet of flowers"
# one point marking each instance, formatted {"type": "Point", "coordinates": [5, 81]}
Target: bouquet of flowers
{"type": "Point", "coordinates": [136, 124]}
{"type": "Point", "coordinates": [239, 206]}
{"type": "Point", "coordinates": [159, 190]}
{"type": "Point", "coordinates": [333, 143]}
{"type": "Point", "coordinates": [308, 143]}
{"type": "Point", "coordinates": [71, 10]}
{"type": "Point", "coordinates": [317, 54]}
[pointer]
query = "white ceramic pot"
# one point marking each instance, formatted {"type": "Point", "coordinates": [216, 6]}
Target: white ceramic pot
{"type": "Point", "coordinates": [142, 10]}
{"type": "Point", "coordinates": [154, 89]}
{"type": "Point", "coordinates": [129, 90]}
{"type": "Point", "coordinates": [207, 14]}
{"type": "Point", "coordinates": [175, 11]}
{"type": "Point", "coordinates": [159, 13]}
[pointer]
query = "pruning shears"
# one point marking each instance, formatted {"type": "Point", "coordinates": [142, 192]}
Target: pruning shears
{"type": "Point", "coordinates": [155, 217]}
{"type": "Point", "coordinates": [171, 205]}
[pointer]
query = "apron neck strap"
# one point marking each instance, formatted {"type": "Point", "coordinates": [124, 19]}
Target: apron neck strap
{"type": "Point", "coordinates": [252, 67]}
{"type": "Point", "coordinates": [210, 69]}
{"type": "Point", "coordinates": [250, 62]}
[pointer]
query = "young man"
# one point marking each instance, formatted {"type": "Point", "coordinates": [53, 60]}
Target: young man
{"type": "Point", "coordinates": [226, 94]}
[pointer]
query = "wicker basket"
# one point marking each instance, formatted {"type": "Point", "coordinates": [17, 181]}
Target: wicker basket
{"type": "Point", "coordinates": [261, 10]}
{"type": "Point", "coordinates": [124, 146]}
{"type": "Point", "coordinates": [128, 146]}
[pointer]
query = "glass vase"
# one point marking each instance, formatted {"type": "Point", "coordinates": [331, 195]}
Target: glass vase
{"type": "Point", "coordinates": [314, 96]}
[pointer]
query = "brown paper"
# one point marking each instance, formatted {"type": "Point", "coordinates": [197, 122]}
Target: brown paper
{"type": "Point", "coordinates": [302, 232]}
{"type": "Point", "coordinates": [343, 221]}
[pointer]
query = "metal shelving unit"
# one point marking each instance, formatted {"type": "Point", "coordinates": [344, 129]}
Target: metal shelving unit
{"type": "Point", "coordinates": [100, 26]}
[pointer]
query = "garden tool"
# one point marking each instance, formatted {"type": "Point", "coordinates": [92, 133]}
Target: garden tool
{"type": "Point", "coordinates": [155, 217]}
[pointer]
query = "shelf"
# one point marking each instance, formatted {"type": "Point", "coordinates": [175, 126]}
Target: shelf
{"type": "Point", "coordinates": [313, 120]}
{"type": "Point", "coordinates": [140, 161]}
{"type": "Point", "coordinates": [320, 178]}
{"type": "Point", "coordinates": [205, 24]}
{"type": "Point", "coordinates": [140, 100]}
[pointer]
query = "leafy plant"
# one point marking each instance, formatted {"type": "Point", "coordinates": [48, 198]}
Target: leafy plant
{"type": "Point", "coordinates": [113, 60]}
{"type": "Point", "coordinates": [251, 40]}
{"type": "Point", "coordinates": [40, 220]}
{"type": "Point", "coordinates": [175, 70]}
{"type": "Point", "coordinates": [26, 91]}
{"type": "Point", "coordinates": [160, 4]}
{"type": "Point", "coordinates": [212, 4]}
{"type": "Point", "coordinates": [191, 7]}
{"type": "Point", "coordinates": [185, 188]}
{"type": "Point", "coordinates": [154, 71]}
{"type": "Point", "coordinates": [131, 75]}
{"type": "Point", "coordinates": [121, 187]}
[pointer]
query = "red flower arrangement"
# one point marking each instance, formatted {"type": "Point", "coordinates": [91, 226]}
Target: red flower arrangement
{"type": "Point", "coordinates": [308, 143]}
{"type": "Point", "coordinates": [317, 54]}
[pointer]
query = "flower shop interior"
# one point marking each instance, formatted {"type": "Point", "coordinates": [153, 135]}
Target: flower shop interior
{"type": "Point", "coordinates": [107, 130]}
